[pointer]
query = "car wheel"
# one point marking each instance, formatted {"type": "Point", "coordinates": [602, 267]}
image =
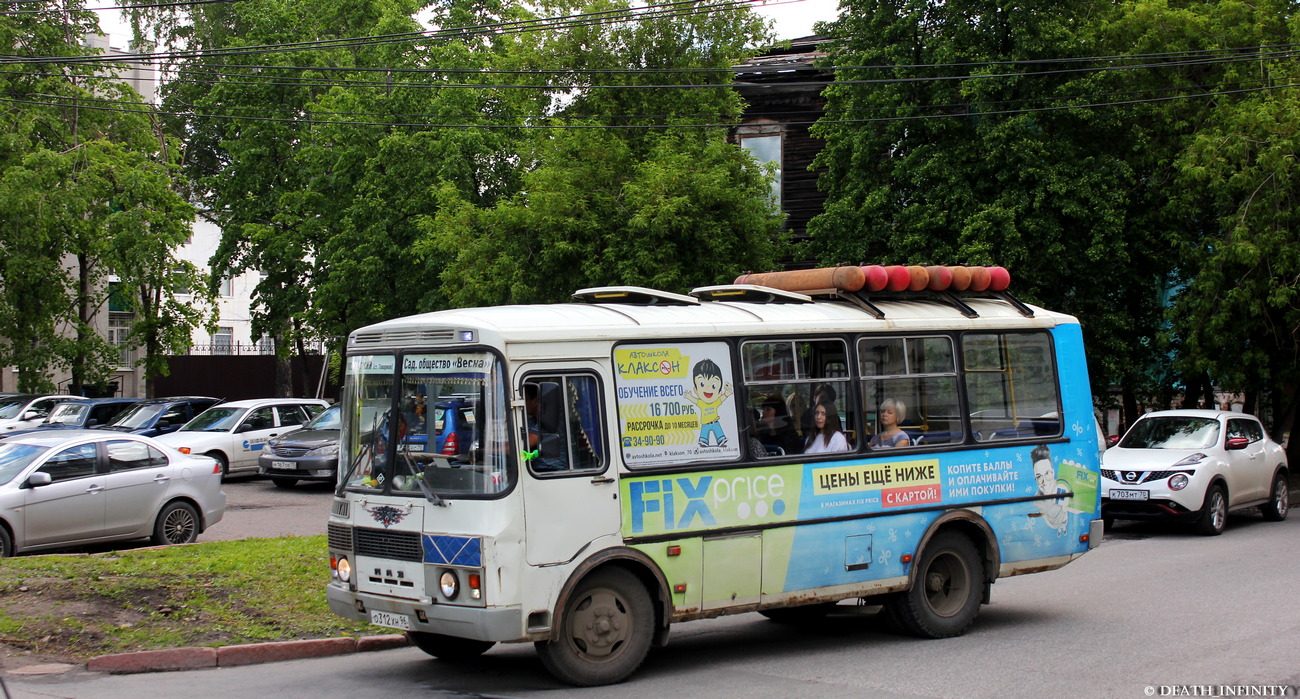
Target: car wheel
{"type": "Point", "coordinates": [6, 543]}
{"type": "Point", "coordinates": [448, 647]}
{"type": "Point", "coordinates": [222, 461]}
{"type": "Point", "coordinates": [807, 614]}
{"type": "Point", "coordinates": [1279, 503]}
{"type": "Point", "coordinates": [946, 593]}
{"type": "Point", "coordinates": [178, 523]}
{"type": "Point", "coordinates": [605, 632]}
{"type": "Point", "coordinates": [284, 482]}
{"type": "Point", "coordinates": [1214, 513]}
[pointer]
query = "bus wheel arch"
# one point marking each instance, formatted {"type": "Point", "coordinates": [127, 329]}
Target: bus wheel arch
{"type": "Point", "coordinates": [975, 528]}
{"type": "Point", "coordinates": [610, 613]}
{"type": "Point", "coordinates": [955, 565]}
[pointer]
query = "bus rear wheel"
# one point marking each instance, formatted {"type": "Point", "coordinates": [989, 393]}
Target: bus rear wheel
{"type": "Point", "coordinates": [605, 631]}
{"type": "Point", "coordinates": [946, 595]}
{"type": "Point", "coordinates": [448, 647]}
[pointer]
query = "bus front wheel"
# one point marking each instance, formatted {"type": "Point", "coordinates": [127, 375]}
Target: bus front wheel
{"type": "Point", "coordinates": [605, 631]}
{"type": "Point", "coordinates": [947, 591]}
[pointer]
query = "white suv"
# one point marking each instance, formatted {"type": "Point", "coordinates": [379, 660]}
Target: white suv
{"type": "Point", "coordinates": [235, 433]}
{"type": "Point", "coordinates": [1195, 466]}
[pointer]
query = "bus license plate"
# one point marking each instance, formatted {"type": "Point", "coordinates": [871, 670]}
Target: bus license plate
{"type": "Point", "coordinates": [392, 621]}
{"type": "Point", "coordinates": [1117, 494]}
{"type": "Point", "coordinates": [284, 465]}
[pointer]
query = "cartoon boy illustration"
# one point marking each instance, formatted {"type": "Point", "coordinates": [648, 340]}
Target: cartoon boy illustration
{"type": "Point", "coordinates": [709, 394]}
{"type": "Point", "coordinates": [1052, 511]}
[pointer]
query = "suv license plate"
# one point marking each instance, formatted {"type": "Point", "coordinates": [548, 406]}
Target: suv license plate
{"type": "Point", "coordinates": [284, 465]}
{"type": "Point", "coordinates": [392, 621]}
{"type": "Point", "coordinates": [1117, 494]}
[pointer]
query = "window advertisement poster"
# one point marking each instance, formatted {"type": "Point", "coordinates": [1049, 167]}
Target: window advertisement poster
{"type": "Point", "coordinates": [676, 403]}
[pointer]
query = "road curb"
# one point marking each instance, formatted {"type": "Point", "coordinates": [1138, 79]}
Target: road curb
{"type": "Point", "coordinates": [245, 654]}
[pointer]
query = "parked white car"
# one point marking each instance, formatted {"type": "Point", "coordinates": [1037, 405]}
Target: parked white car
{"type": "Point", "coordinates": [1195, 466]}
{"type": "Point", "coordinates": [235, 433]}
{"type": "Point", "coordinates": [24, 411]}
{"type": "Point", "coordinates": [72, 487]}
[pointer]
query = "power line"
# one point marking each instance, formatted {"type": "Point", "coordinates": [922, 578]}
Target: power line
{"type": "Point", "coordinates": [188, 76]}
{"type": "Point", "coordinates": [680, 8]}
{"type": "Point", "coordinates": [986, 107]}
{"type": "Point", "coordinates": [15, 13]}
{"type": "Point", "coordinates": [533, 122]}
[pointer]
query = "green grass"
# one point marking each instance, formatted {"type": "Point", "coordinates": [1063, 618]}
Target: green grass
{"type": "Point", "coordinates": [211, 594]}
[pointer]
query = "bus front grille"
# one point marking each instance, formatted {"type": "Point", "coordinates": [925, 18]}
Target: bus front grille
{"type": "Point", "coordinates": [381, 543]}
{"type": "Point", "coordinates": [340, 537]}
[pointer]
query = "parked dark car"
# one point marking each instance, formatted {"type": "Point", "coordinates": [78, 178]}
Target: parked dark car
{"type": "Point", "coordinates": [310, 453]}
{"type": "Point", "coordinates": [158, 416]}
{"type": "Point", "coordinates": [80, 414]}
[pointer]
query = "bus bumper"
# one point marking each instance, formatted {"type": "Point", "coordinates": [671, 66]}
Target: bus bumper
{"type": "Point", "coordinates": [477, 623]}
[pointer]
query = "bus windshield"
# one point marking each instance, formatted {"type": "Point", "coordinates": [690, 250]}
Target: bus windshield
{"type": "Point", "coordinates": [429, 425]}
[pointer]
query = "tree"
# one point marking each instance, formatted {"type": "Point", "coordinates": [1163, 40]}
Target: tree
{"type": "Point", "coordinates": [980, 145]}
{"type": "Point", "coordinates": [1239, 314]}
{"type": "Point", "coordinates": [78, 182]}
{"type": "Point", "coordinates": [633, 185]}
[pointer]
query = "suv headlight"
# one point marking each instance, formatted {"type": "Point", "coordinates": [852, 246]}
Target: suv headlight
{"type": "Point", "coordinates": [1178, 481]}
{"type": "Point", "coordinates": [1192, 460]}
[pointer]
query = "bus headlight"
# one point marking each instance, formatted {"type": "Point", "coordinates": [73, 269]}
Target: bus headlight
{"type": "Point", "coordinates": [449, 585]}
{"type": "Point", "coordinates": [344, 570]}
{"type": "Point", "coordinates": [1178, 481]}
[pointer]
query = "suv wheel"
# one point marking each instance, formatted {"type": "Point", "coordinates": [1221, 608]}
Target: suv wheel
{"type": "Point", "coordinates": [1279, 501]}
{"type": "Point", "coordinates": [1214, 513]}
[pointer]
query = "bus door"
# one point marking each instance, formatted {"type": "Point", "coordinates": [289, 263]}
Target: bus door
{"type": "Point", "coordinates": [569, 488]}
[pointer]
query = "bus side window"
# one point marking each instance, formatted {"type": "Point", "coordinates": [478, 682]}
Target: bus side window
{"type": "Point", "coordinates": [915, 380]}
{"type": "Point", "coordinates": [1011, 384]}
{"type": "Point", "coordinates": [785, 381]}
{"type": "Point", "coordinates": [562, 425]}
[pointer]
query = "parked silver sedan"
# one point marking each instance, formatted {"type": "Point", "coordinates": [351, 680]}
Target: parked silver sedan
{"type": "Point", "coordinates": [73, 487]}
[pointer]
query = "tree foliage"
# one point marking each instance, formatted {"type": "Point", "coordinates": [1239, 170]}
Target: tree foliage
{"type": "Point", "coordinates": [1023, 136]}
{"type": "Point", "coordinates": [383, 178]}
{"type": "Point", "coordinates": [85, 193]}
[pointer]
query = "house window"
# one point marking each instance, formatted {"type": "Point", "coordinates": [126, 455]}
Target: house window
{"type": "Point", "coordinates": [226, 287]}
{"type": "Point", "coordinates": [180, 287]}
{"type": "Point", "coordinates": [119, 332]}
{"type": "Point", "coordinates": [223, 340]}
{"type": "Point", "coordinates": [766, 149]}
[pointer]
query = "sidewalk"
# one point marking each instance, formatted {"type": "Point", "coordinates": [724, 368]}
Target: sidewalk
{"type": "Point", "coordinates": [222, 656]}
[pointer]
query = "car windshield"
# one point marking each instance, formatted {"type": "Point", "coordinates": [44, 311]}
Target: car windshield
{"type": "Point", "coordinates": [16, 457]}
{"type": "Point", "coordinates": [67, 414]}
{"type": "Point", "coordinates": [1172, 432]}
{"type": "Point", "coordinates": [137, 416]}
{"type": "Point", "coordinates": [328, 420]}
{"type": "Point", "coordinates": [215, 420]}
{"type": "Point", "coordinates": [10, 408]}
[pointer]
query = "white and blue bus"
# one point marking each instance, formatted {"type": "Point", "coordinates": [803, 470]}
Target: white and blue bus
{"type": "Point", "coordinates": [584, 475]}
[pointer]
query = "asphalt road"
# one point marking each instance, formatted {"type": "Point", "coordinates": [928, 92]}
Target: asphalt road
{"type": "Point", "coordinates": [257, 508]}
{"type": "Point", "coordinates": [1154, 611]}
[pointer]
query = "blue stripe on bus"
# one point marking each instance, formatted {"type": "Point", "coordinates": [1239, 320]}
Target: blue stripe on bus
{"type": "Point", "coordinates": [453, 550]}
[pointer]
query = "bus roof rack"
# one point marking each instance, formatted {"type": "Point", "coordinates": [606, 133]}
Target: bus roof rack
{"type": "Point", "coordinates": [863, 285]}
{"type": "Point", "coordinates": [633, 296]}
{"type": "Point", "coordinates": [749, 293]}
